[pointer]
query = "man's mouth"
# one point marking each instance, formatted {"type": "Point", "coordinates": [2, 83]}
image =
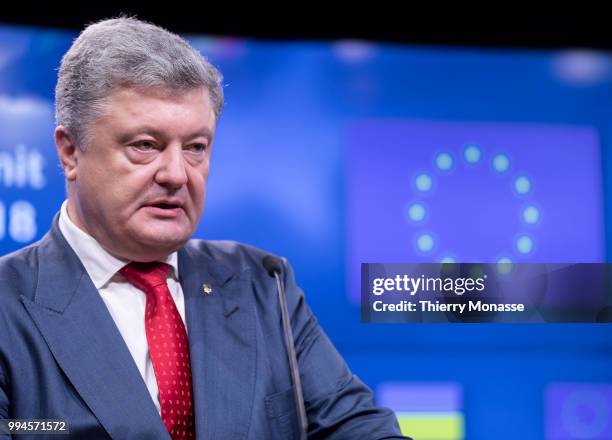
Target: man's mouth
{"type": "Point", "coordinates": [165, 205]}
{"type": "Point", "coordinates": [164, 208]}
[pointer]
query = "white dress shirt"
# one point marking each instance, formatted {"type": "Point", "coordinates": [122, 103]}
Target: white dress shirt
{"type": "Point", "coordinates": [125, 302]}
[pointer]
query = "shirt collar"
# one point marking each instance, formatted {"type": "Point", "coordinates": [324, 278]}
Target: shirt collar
{"type": "Point", "coordinates": [99, 264]}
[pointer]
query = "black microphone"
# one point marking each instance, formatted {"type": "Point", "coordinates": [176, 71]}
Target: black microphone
{"type": "Point", "coordinates": [274, 266]}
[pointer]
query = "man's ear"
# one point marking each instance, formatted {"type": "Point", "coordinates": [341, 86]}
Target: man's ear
{"type": "Point", "coordinates": [67, 151]}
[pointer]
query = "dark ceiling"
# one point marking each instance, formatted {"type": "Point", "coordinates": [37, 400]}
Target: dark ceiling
{"type": "Point", "coordinates": [460, 28]}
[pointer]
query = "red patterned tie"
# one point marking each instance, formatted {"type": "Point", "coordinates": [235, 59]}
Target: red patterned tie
{"type": "Point", "coordinates": [168, 346]}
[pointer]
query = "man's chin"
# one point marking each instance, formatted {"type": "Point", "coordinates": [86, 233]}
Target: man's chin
{"type": "Point", "coordinates": [161, 242]}
{"type": "Point", "coordinates": [160, 245]}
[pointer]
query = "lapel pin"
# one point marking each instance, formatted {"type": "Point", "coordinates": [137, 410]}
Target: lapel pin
{"type": "Point", "coordinates": [206, 288]}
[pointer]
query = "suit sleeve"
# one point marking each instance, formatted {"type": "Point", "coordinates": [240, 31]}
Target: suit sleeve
{"type": "Point", "coordinates": [338, 404]}
{"type": "Point", "coordinates": [4, 385]}
{"type": "Point", "coordinates": [4, 402]}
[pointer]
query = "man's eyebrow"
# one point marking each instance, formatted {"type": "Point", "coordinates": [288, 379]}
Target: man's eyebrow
{"type": "Point", "coordinates": [204, 132]}
{"type": "Point", "coordinates": [145, 129]}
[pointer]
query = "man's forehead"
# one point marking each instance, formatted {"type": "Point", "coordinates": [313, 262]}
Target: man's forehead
{"type": "Point", "coordinates": [132, 111]}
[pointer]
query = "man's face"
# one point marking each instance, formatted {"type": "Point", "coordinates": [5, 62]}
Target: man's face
{"type": "Point", "coordinates": [139, 187]}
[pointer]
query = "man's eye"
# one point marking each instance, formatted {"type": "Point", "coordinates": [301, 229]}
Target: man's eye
{"type": "Point", "coordinates": [144, 145]}
{"type": "Point", "coordinates": [197, 148]}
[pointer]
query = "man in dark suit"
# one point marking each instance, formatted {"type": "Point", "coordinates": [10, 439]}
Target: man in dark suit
{"type": "Point", "coordinates": [120, 324]}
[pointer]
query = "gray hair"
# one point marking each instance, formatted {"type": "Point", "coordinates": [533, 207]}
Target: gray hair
{"type": "Point", "coordinates": [126, 52]}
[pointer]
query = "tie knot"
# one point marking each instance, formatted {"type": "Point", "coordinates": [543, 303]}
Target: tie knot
{"type": "Point", "coordinates": [146, 276]}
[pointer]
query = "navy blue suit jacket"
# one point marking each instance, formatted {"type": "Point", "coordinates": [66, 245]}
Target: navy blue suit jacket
{"type": "Point", "coordinates": [61, 355]}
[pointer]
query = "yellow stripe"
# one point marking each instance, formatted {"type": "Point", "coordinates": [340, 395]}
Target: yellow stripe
{"type": "Point", "coordinates": [432, 426]}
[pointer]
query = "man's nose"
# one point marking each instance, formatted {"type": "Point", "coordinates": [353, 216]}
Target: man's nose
{"type": "Point", "coordinates": [172, 172]}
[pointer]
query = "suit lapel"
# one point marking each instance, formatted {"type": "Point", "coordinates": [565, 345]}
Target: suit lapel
{"type": "Point", "coordinates": [221, 327]}
{"type": "Point", "coordinates": [87, 345]}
